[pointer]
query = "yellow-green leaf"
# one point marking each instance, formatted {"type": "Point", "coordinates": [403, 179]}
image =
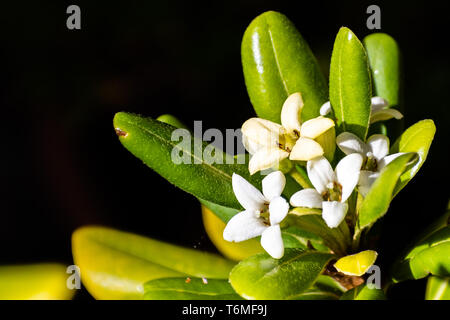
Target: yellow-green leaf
{"type": "Point", "coordinates": [115, 264]}
{"type": "Point", "coordinates": [438, 288]}
{"type": "Point", "coordinates": [43, 281]}
{"type": "Point", "coordinates": [356, 264]}
{"type": "Point", "coordinates": [417, 138]}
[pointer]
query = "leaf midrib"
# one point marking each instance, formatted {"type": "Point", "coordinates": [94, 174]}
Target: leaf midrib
{"type": "Point", "coordinates": [275, 55]}
{"type": "Point", "coordinates": [214, 169]}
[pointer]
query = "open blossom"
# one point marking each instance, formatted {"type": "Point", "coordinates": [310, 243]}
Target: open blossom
{"type": "Point", "coordinates": [269, 143]}
{"type": "Point", "coordinates": [332, 188]}
{"type": "Point", "coordinates": [262, 215]}
{"type": "Point", "coordinates": [379, 110]}
{"type": "Point", "coordinates": [374, 153]}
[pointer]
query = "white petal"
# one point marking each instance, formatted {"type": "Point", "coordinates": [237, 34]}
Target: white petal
{"type": "Point", "coordinates": [247, 195]}
{"type": "Point", "coordinates": [243, 226]}
{"type": "Point", "coordinates": [306, 149]}
{"type": "Point", "coordinates": [378, 103]}
{"type": "Point", "coordinates": [325, 108]}
{"type": "Point", "coordinates": [273, 185]}
{"type": "Point", "coordinates": [272, 241]}
{"type": "Point", "coordinates": [333, 212]}
{"type": "Point", "coordinates": [320, 173]}
{"type": "Point", "coordinates": [308, 198]}
{"type": "Point", "coordinates": [378, 145]}
{"type": "Point", "coordinates": [266, 158]}
{"type": "Point", "coordinates": [278, 210]}
{"type": "Point", "coordinates": [347, 173]}
{"type": "Point", "coordinates": [291, 113]}
{"type": "Point", "coordinates": [366, 179]}
{"type": "Point", "coordinates": [388, 159]}
{"type": "Point", "coordinates": [385, 114]}
{"type": "Point", "coordinates": [349, 143]}
{"type": "Point", "coordinates": [259, 133]}
{"type": "Point", "coordinates": [315, 127]}
{"type": "Point", "coordinates": [251, 146]}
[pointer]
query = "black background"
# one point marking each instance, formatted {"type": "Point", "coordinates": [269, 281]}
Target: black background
{"type": "Point", "coordinates": [62, 166]}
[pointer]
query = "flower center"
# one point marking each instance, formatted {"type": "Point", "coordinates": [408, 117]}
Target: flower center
{"type": "Point", "coordinates": [286, 142]}
{"type": "Point", "coordinates": [370, 163]}
{"type": "Point", "coordinates": [264, 214]}
{"type": "Point", "coordinates": [333, 192]}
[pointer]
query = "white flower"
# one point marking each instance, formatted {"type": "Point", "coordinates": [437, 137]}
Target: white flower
{"type": "Point", "coordinates": [269, 143]}
{"type": "Point", "coordinates": [332, 188]}
{"type": "Point", "coordinates": [374, 153]}
{"type": "Point", "coordinates": [263, 213]}
{"type": "Point", "coordinates": [379, 110]}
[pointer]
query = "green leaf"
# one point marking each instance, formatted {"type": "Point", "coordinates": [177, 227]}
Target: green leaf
{"type": "Point", "coordinates": [385, 64]}
{"type": "Point", "coordinates": [277, 62]}
{"type": "Point", "coordinates": [313, 223]}
{"type": "Point", "coordinates": [189, 289]}
{"type": "Point", "coordinates": [297, 238]}
{"type": "Point", "coordinates": [172, 120]}
{"type": "Point", "coordinates": [417, 138]}
{"type": "Point", "coordinates": [438, 288]}
{"type": "Point", "coordinates": [384, 60]}
{"type": "Point", "coordinates": [262, 277]}
{"type": "Point", "coordinates": [430, 255]}
{"type": "Point", "coordinates": [43, 281]}
{"type": "Point", "coordinates": [364, 292]}
{"type": "Point", "coordinates": [377, 200]}
{"type": "Point", "coordinates": [115, 264]}
{"type": "Point", "coordinates": [150, 141]}
{"type": "Point", "coordinates": [224, 213]}
{"type": "Point", "coordinates": [350, 84]}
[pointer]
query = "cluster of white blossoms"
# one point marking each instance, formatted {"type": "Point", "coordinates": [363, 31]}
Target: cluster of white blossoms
{"type": "Point", "coordinates": [269, 143]}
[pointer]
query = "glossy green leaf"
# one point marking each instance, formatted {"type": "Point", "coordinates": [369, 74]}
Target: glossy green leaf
{"type": "Point", "coordinates": [313, 223]}
{"type": "Point", "coordinates": [150, 140]}
{"type": "Point", "coordinates": [438, 288]}
{"type": "Point", "coordinates": [325, 288]}
{"type": "Point", "coordinates": [417, 138]}
{"type": "Point", "coordinates": [430, 255]}
{"type": "Point", "coordinates": [43, 281]}
{"type": "Point", "coordinates": [224, 213]}
{"type": "Point", "coordinates": [385, 64]}
{"type": "Point", "coordinates": [172, 120]}
{"type": "Point", "coordinates": [189, 289]}
{"type": "Point", "coordinates": [277, 62]}
{"type": "Point", "coordinates": [298, 238]}
{"type": "Point", "coordinates": [115, 264]}
{"type": "Point", "coordinates": [377, 200]}
{"type": "Point", "coordinates": [364, 292]}
{"type": "Point", "coordinates": [384, 60]}
{"type": "Point", "coordinates": [350, 84]}
{"type": "Point", "coordinates": [262, 277]}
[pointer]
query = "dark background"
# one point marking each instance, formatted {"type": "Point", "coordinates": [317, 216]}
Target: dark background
{"type": "Point", "coordinates": [62, 165]}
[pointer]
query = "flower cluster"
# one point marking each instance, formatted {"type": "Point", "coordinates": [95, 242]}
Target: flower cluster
{"type": "Point", "coordinates": [306, 144]}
